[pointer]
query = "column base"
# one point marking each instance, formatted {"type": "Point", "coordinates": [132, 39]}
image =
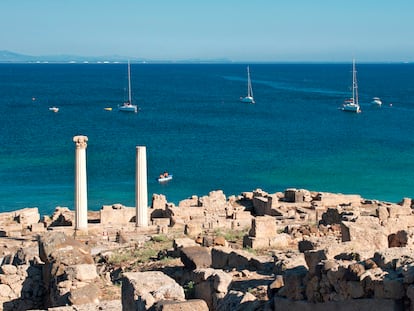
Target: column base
{"type": "Point", "coordinates": [81, 232]}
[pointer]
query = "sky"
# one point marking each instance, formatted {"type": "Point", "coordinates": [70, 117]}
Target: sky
{"type": "Point", "coordinates": [236, 30]}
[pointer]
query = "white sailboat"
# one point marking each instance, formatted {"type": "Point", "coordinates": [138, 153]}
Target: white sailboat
{"type": "Point", "coordinates": [352, 104]}
{"type": "Point", "coordinates": [249, 98]}
{"type": "Point", "coordinates": [128, 106]}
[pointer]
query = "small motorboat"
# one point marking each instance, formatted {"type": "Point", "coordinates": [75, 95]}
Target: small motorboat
{"type": "Point", "coordinates": [376, 101]}
{"type": "Point", "coordinates": [164, 177]}
{"type": "Point", "coordinates": [54, 109]}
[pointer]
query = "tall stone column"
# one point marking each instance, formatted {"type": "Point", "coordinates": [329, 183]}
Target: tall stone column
{"type": "Point", "coordinates": [81, 191]}
{"type": "Point", "coordinates": [141, 195]}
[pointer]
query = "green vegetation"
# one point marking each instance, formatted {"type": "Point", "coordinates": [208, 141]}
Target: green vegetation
{"type": "Point", "coordinates": [160, 238]}
{"type": "Point", "coordinates": [147, 253]}
{"type": "Point", "coordinates": [189, 290]}
{"type": "Point", "coordinates": [250, 250]}
{"type": "Point", "coordinates": [231, 235]}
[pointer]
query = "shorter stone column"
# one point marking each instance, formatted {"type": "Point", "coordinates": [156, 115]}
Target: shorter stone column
{"type": "Point", "coordinates": [141, 195]}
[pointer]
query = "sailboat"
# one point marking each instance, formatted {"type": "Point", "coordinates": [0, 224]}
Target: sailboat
{"type": "Point", "coordinates": [128, 106]}
{"type": "Point", "coordinates": [249, 98]}
{"type": "Point", "coordinates": [352, 104]}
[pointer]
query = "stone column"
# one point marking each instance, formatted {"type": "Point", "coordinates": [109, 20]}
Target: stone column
{"type": "Point", "coordinates": [81, 193]}
{"type": "Point", "coordinates": [141, 195]}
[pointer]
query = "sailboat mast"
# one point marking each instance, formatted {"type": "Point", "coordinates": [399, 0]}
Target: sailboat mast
{"type": "Point", "coordinates": [354, 84]}
{"type": "Point", "coordinates": [249, 84]}
{"type": "Point", "coordinates": [129, 83]}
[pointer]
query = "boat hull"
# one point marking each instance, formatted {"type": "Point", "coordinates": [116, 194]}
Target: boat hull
{"type": "Point", "coordinates": [351, 108]}
{"type": "Point", "coordinates": [128, 108]}
{"type": "Point", "coordinates": [165, 179]}
{"type": "Point", "coordinates": [248, 99]}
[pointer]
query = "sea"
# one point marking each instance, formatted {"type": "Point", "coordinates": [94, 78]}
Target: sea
{"type": "Point", "coordinates": [194, 126]}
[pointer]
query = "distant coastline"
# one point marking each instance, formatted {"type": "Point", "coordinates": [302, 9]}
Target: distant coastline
{"type": "Point", "coordinates": [9, 57]}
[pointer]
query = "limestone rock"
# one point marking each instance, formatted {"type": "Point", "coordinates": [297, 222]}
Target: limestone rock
{"type": "Point", "coordinates": [195, 257]}
{"type": "Point", "coordinates": [189, 305]}
{"type": "Point", "coordinates": [86, 294]}
{"type": "Point", "coordinates": [141, 290]}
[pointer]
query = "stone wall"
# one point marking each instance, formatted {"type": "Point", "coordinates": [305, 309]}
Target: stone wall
{"type": "Point", "coordinates": [116, 214]}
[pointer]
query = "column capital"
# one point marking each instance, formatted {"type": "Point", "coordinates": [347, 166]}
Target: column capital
{"type": "Point", "coordinates": [80, 141]}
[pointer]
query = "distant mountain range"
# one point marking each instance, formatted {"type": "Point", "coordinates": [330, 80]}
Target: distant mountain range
{"type": "Point", "coordinates": [12, 57]}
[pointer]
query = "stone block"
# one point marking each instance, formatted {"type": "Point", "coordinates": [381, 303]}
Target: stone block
{"type": "Point", "coordinates": [313, 258]}
{"type": "Point", "coordinates": [189, 305]}
{"type": "Point", "coordinates": [81, 272]}
{"type": "Point", "coordinates": [239, 259]}
{"type": "Point", "coordinates": [368, 235]}
{"type": "Point", "coordinates": [350, 305]}
{"type": "Point", "coordinates": [193, 229]}
{"type": "Point", "coordinates": [262, 205]}
{"type": "Point", "coordinates": [141, 290]}
{"type": "Point", "coordinates": [220, 257]}
{"type": "Point", "coordinates": [28, 216]}
{"type": "Point", "coordinates": [256, 243]}
{"type": "Point", "coordinates": [280, 241]}
{"type": "Point", "coordinates": [263, 227]}
{"type": "Point", "coordinates": [116, 214]}
{"type": "Point", "coordinates": [83, 295]}
{"type": "Point", "coordinates": [195, 257]}
{"type": "Point", "coordinates": [37, 227]}
{"type": "Point", "coordinates": [396, 210]}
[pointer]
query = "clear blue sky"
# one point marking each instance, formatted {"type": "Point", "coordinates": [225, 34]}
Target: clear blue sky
{"type": "Point", "coordinates": [239, 30]}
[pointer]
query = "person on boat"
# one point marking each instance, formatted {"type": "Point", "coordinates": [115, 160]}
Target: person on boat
{"type": "Point", "coordinates": [165, 174]}
{"type": "Point", "coordinates": [161, 175]}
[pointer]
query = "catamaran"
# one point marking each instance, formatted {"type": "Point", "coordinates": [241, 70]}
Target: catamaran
{"type": "Point", "coordinates": [128, 106]}
{"type": "Point", "coordinates": [352, 104]}
{"type": "Point", "coordinates": [249, 98]}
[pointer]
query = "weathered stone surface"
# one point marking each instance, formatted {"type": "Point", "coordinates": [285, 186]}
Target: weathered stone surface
{"type": "Point", "coordinates": [195, 257]}
{"type": "Point", "coordinates": [238, 301]}
{"type": "Point", "coordinates": [58, 247]}
{"type": "Point", "coordinates": [62, 216]}
{"type": "Point", "coordinates": [193, 229]}
{"type": "Point", "coordinates": [141, 290]}
{"type": "Point", "coordinates": [220, 257]}
{"type": "Point", "coordinates": [82, 272]}
{"type": "Point", "coordinates": [8, 269]}
{"type": "Point", "coordinates": [313, 258]}
{"type": "Point", "coordinates": [239, 259]}
{"type": "Point", "coordinates": [87, 294]}
{"type": "Point", "coordinates": [294, 288]}
{"type": "Point", "coordinates": [116, 214]}
{"type": "Point", "coordinates": [159, 201]}
{"type": "Point", "coordinates": [178, 244]}
{"type": "Point", "coordinates": [368, 235]}
{"type": "Point", "coordinates": [189, 305]}
{"type": "Point", "coordinates": [263, 227]}
{"type": "Point", "coordinates": [211, 285]}
{"type": "Point", "coordinates": [350, 305]}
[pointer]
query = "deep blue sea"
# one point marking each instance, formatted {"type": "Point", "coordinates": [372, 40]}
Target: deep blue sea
{"type": "Point", "coordinates": [194, 126]}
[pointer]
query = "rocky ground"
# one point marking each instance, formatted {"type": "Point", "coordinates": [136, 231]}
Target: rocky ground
{"type": "Point", "coordinates": [296, 250]}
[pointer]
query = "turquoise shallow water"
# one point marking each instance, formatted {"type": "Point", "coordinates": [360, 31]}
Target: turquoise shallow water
{"type": "Point", "coordinates": [194, 126]}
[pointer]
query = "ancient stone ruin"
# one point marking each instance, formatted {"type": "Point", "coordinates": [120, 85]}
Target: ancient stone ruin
{"type": "Point", "coordinates": [291, 250]}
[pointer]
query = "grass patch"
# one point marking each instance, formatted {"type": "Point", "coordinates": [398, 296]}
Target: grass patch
{"type": "Point", "coordinates": [144, 254]}
{"type": "Point", "coordinates": [231, 235]}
